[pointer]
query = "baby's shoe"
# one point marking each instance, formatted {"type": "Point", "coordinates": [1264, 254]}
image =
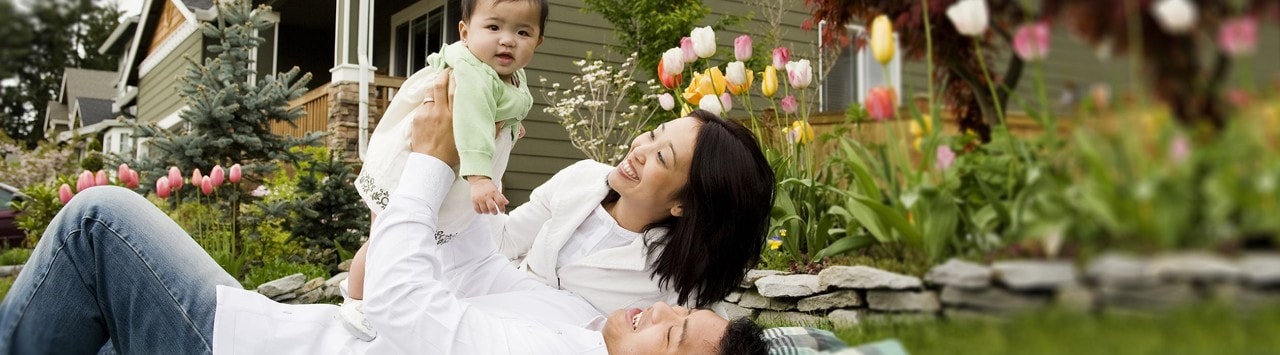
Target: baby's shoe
{"type": "Point", "coordinates": [351, 314]}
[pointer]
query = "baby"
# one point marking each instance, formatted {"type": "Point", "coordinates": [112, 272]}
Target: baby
{"type": "Point", "coordinates": [491, 99]}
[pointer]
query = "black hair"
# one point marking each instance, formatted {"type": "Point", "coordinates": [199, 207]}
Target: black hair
{"type": "Point", "coordinates": [743, 337]}
{"type": "Point", "coordinates": [726, 203]}
{"type": "Point", "coordinates": [469, 7]}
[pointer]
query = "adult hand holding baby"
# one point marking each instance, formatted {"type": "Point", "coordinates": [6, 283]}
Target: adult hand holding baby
{"type": "Point", "coordinates": [432, 132]}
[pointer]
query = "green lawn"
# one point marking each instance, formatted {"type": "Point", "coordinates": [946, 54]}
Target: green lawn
{"type": "Point", "coordinates": [1202, 329]}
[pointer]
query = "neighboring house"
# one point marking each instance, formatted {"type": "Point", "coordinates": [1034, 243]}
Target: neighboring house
{"type": "Point", "coordinates": [364, 49]}
{"type": "Point", "coordinates": [83, 111]}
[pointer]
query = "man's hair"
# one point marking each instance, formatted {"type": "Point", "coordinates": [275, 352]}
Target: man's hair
{"type": "Point", "coordinates": [469, 7]}
{"type": "Point", "coordinates": [743, 337]}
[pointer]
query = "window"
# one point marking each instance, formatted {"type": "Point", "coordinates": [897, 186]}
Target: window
{"type": "Point", "coordinates": [421, 29]}
{"type": "Point", "coordinates": [855, 72]}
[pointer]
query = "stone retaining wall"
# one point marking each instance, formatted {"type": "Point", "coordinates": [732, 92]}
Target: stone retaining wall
{"type": "Point", "coordinates": [847, 295]}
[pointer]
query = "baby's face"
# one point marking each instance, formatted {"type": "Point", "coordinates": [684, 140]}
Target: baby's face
{"type": "Point", "coordinates": [503, 35]}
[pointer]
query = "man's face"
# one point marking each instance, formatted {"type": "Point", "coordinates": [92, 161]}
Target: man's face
{"type": "Point", "coordinates": [663, 329]}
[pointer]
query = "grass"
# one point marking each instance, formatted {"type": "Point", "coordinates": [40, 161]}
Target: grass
{"type": "Point", "coordinates": [1199, 329]}
{"type": "Point", "coordinates": [5, 283]}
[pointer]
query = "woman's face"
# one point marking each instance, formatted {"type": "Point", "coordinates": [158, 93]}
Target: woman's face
{"type": "Point", "coordinates": [657, 167]}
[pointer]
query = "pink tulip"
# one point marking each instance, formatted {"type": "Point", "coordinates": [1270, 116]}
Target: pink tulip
{"type": "Point", "coordinates": [799, 74]}
{"type": "Point", "coordinates": [234, 175]}
{"type": "Point", "coordinates": [162, 187]}
{"type": "Point", "coordinates": [1179, 149]}
{"type": "Point", "coordinates": [1238, 97]}
{"type": "Point", "coordinates": [122, 174]}
{"type": "Point", "coordinates": [945, 157]}
{"type": "Point", "coordinates": [218, 175]}
{"type": "Point", "coordinates": [789, 104]}
{"type": "Point", "coordinates": [101, 178]}
{"type": "Point", "coordinates": [1239, 36]}
{"type": "Point", "coordinates": [64, 193]}
{"type": "Point", "coordinates": [781, 56]}
{"type": "Point", "coordinates": [880, 103]}
{"type": "Point", "coordinates": [196, 177]}
{"type": "Point", "coordinates": [84, 181]}
{"type": "Point", "coordinates": [206, 186]}
{"type": "Point", "coordinates": [686, 47]}
{"type": "Point", "coordinates": [133, 179]}
{"type": "Point", "coordinates": [1031, 42]}
{"type": "Point", "coordinates": [726, 101]}
{"type": "Point", "coordinates": [742, 48]}
{"type": "Point", "coordinates": [175, 178]}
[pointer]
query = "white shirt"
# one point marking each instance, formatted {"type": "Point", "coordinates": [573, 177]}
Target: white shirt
{"type": "Point", "coordinates": [598, 232]}
{"type": "Point", "coordinates": [459, 299]}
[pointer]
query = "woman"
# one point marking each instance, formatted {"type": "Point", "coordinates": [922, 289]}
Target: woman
{"type": "Point", "coordinates": [679, 220]}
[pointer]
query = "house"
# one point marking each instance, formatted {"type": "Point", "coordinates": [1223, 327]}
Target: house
{"type": "Point", "coordinates": [359, 51]}
{"type": "Point", "coordinates": [83, 111]}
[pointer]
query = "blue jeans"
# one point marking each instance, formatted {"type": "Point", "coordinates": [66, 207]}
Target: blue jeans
{"type": "Point", "coordinates": [112, 267]}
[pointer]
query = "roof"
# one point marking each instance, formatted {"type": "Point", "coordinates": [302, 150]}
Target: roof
{"type": "Point", "coordinates": [57, 113]}
{"type": "Point", "coordinates": [93, 111]}
{"type": "Point", "coordinates": [81, 83]}
{"type": "Point", "coordinates": [198, 4]}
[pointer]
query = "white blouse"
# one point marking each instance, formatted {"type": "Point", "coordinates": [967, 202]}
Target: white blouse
{"type": "Point", "coordinates": [598, 232]}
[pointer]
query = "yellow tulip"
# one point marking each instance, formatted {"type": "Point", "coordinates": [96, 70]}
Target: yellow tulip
{"type": "Point", "coordinates": [919, 131]}
{"type": "Point", "coordinates": [882, 39]}
{"type": "Point", "coordinates": [800, 132]}
{"type": "Point", "coordinates": [691, 93]}
{"type": "Point", "coordinates": [769, 84]}
{"type": "Point", "coordinates": [709, 82]}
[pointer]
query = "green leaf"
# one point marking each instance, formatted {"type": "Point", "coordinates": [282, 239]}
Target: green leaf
{"type": "Point", "coordinates": [845, 245]}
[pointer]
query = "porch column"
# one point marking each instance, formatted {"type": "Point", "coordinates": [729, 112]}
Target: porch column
{"type": "Point", "coordinates": [350, 92]}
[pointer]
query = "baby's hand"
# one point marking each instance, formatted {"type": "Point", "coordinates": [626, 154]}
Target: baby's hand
{"type": "Point", "coordinates": [485, 197]}
{"type": "Point", "coordinates": [522, 131]}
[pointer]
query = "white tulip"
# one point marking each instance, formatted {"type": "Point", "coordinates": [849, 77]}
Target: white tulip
{"type": "Point", "coordinates": [736, 73]}
{"type": "Point", "coordinates": [673, 61]}
{"type": "Point", "coordinates": [711, 103]}
{"type": "Point", "coordinates": [704, 41]}
{"type": "Point", "coordinates": [667, 101]}
{"type": "Point", "coordinates": [1174, 16]}
{"type": "Point", "coordinates": [969, 16]}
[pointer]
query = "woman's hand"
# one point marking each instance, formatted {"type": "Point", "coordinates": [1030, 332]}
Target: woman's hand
{"type": "Point", "coordinates": [432, 132]}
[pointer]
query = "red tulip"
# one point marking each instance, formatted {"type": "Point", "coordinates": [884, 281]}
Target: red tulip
{"type": "Point", "coordinates": [217, 175]}
{"type": "Point", "coordinates": [234, 175]}
{"type": "Point", "coordinates": [880, 103]}
{"type": "Point", "coordinates": [206, 186]}
{"type": "Point", "coordinates": [133, 179]}
{"type": "Point", "coordinates": [162, 187]}
{"type": "Point", "coordinates": [175, 178]}
{"type": "Point", "coordinates": [196, 177]}
{"type": "Point", "coordinates": [84, 181]}
{"type": "Point", "coordinates": [122, 174]}
{"type": "Point", "coordinates": [101, 179]}
{"type": "Point", "coordinates": [64, 193]}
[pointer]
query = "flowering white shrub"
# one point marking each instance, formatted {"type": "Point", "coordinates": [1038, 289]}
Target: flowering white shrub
{"type": "Point", "coordinates": [595, 110]}
{"type": "Point", "coordinates": [21, 167]}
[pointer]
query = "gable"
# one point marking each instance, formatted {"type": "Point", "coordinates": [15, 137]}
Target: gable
{"type": "Point", "coordinates": [170, 20]}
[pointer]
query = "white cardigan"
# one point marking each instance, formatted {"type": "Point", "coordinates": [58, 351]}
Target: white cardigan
{"type": "Point", "coordinates": [534, 233]}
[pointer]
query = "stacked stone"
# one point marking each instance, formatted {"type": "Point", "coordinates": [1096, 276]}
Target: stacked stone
{"type": "Point", "coordinates": [848, 295]}
{"type": "Point", "coordinates": [296, 289]}
{"type": "Point", "coordinates": [844, 295]}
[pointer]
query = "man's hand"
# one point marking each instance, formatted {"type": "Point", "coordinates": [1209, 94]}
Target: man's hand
{"type": "Point", "coordinates": [485, 197]}
{"type": "Point", "coordinates": [432, 132]}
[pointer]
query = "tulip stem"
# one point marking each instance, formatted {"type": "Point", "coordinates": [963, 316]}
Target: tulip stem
{"type": "Point", "coordinates": [991, 84]}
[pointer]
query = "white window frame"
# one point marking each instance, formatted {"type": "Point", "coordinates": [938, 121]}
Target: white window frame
{"type": "Point", "coordinates": [865, 63]}
{"type": "Point", "coordinates": [274, 18]}
{"type": "Point", "coordinates": [408, 14]}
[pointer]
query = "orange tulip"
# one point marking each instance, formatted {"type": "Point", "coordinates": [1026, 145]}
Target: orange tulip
{"type": "Point", "coordinates": [668, 81]}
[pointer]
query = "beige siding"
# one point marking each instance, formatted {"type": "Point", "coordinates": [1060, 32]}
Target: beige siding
{"type": "Point", "coordinates": [157, 91]}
